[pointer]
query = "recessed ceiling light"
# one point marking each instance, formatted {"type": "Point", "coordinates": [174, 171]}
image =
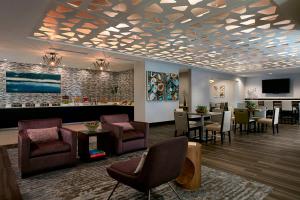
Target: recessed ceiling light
{"type": "Point", "coordinates": [270, 73]}
{"type": "Point", "coordinates": [5, 59]}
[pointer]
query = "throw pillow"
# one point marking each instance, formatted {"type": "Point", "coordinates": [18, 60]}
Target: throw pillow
{"type": "Point", "coordinates": [125, 125]}
{"type": "Point", "coordinates": [43, 134]}
{"type": "Point", "coordinates": [141, 163]}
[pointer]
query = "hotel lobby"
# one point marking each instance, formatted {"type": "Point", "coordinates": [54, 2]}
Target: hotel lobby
{"type": "Point", "coordinates": [150, 99]}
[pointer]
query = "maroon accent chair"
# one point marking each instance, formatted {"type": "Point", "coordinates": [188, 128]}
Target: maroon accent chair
{"type": "Point", "coordinates": [163, 164]}
{"type": "Point", "coordinates": [126, 141]}
{"type": "Point", "coordinates": [36, 157]}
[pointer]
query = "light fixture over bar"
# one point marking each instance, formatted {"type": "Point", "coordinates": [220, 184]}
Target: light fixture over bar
{"type": "Point", "coordinates": [101, 64]}
{"type": "Point", "coordinates": [52, 59]}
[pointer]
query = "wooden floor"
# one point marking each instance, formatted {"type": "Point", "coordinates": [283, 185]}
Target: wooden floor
{"type": "Point", "coordinates": [272, 160]}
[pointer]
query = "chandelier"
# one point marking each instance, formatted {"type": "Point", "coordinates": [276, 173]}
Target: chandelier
{"type": "Point", "coordinates": [101, 64]}
{"type": "Point", "coordinates": [52, 59]}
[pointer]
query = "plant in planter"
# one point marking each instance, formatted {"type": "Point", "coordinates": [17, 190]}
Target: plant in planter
{"type": "Point", "coordinates": [201, 109]}
{"type": "Point", "coordinates": [251, 106]}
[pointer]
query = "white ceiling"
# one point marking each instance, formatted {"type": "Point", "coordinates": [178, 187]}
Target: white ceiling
{"type": "Point", "coordinates": [235, 36]}
{"type": "Point", "coordinates": [18, 19]}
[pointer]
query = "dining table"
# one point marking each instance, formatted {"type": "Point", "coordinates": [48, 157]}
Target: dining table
{"type": "Point", "coordinates": [200, 118]}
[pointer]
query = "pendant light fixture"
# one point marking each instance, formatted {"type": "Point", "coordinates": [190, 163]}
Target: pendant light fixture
{"type": "Point", "coordinates": [52, 59]}
{"type": "Point", "coordinates": [101, 64]}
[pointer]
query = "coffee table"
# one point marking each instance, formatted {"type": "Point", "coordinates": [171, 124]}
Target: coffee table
{"type": "Point", "coordinates": [104, 144]}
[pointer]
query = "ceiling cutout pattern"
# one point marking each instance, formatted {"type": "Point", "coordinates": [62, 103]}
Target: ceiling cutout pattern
{"type": "Point", "coordinates": [234, 36]}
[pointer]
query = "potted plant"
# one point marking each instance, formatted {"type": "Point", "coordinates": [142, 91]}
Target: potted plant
{"type": "Point", "coordinates": [251, 106]}
{"type": "Point", "coordinates": [201, 109]}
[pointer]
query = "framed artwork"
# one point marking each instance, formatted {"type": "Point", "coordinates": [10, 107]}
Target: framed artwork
{"type": "Point", "coordinates": [172, 87]}
{"type": "Point", "coordinates": [222, 91]}
{"type": "Point", "coordinates": [215, 91]}
{"type": "Point", "coordinates": [24, 82]}
{"type": "Point", "coordinates": [156, 83]}
{"type": "Point", "coordinates": [162, 86]}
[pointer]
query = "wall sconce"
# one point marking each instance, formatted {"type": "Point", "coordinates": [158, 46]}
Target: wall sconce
{"type": "Point", "coordinates": [211, 81]}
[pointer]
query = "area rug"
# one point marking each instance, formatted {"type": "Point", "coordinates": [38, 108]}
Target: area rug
{"type": "Point", "coordinates": [91, 181]}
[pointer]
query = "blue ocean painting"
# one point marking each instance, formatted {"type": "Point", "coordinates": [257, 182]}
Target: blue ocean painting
{"type": "Point", "coordinates": [24, 82]}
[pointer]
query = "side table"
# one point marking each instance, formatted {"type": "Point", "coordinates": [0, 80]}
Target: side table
{"type": "Point", "coordinates": [190, 176]}
{"type": "Point", "coordinates": [103, 137]}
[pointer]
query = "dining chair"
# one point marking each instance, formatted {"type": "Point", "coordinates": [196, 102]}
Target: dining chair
{"type": "Point", "coordinates": [259, 113]}
{"type": "Point", "coordinates": [242, 117]}
{"type": "Point", "coordinates": [277, 104]}
{"type": "Point", "coordinates": [183, 126]}
{"type": "Point", "coordinates": [241, 105]}
{"type": "Point", "coordinates": [222, 128]}
{"type": "Point", "coordinates": [231, 109]}
{"type": "Point", "coordinates": [287, 112]}
{"type": "Point", "coordinates": [272, 122]}
{"type": "Point", "coordinates": [269, 105]}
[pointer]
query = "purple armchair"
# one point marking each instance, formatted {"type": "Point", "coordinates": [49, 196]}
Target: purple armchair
{"type": "Point", "coordinates": [38, 156]}
{"type": "Point", "coordinates": [162, 164]}
{"type": "Point", "coordinates": [127, 136]}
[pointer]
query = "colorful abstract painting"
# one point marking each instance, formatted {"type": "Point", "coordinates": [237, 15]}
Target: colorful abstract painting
{"type": "Point", "coordinates": [156, 83]}
{"type": "Point", "coordinates": [23, 82]}
{"type": "Point", "coordinates": [172, 87]}
{"type": "Point", "coordinates": [162, 86]}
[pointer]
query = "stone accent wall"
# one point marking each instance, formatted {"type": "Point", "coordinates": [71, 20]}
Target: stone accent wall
{"type": "Point", "coordinates": [74, 82]}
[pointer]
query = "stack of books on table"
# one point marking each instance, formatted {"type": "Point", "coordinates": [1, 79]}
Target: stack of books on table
{"type": "Point", "coordinates": [95, 153]}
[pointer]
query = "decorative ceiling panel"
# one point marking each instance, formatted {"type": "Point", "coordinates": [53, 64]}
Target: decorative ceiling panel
{"type": "Point", "coordinates": [234, 36]}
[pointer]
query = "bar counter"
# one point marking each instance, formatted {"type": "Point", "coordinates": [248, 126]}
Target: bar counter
{"type": "Point", "coordinates": [9, 117]}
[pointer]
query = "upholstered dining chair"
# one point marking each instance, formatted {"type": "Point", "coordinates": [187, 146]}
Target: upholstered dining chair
{"type": "Point", "coordinates": [44, 144]}
{"type": "Point", "coordinates": [242, 117]}
{"type": "Point", "coordinates": [286, 113]}
{"type": "Point", "coordinates": [163, 163]}
{"type": "Point", "coordinates": [271, 122]}
{"type": "Point", "coordinates": [127, 135]}
{"type": "Point", "coordinates": [183, 126]}
{"type": "Point", "coordinates": [223, 128]}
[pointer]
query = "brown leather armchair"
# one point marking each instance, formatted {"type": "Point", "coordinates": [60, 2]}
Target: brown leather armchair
{"type": "Point", "coordinates": [126, 140]}
{"type": "Point", "coordinates": [35, 157]}
{"type": "Point", "coordinates": [163, 163]}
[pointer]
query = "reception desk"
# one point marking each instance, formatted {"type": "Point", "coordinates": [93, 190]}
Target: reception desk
{"type": "Point", "coordinates": [9, 117]}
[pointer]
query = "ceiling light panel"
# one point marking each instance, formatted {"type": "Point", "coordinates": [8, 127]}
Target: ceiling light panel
{"type": "Point", "coordinates": [231, 36]}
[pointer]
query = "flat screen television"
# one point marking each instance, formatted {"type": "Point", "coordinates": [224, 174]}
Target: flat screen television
{"type": "Point", "coordinates": [276, 86]}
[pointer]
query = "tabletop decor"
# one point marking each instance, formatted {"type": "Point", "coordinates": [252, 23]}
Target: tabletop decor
{"type": "Point", "coordinates": [201, 109]}
{"type": "Point", "coordinates": [92, 126]}
{"type": "Point", "coordinates": [251, 106]}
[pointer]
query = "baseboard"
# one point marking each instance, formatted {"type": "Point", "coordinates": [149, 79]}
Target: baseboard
{"type": "Point", "coordinates": [162, 123]}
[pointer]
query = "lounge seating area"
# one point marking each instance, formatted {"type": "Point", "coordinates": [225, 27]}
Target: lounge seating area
{"type": "Point", "coordinates": [150, 99]}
